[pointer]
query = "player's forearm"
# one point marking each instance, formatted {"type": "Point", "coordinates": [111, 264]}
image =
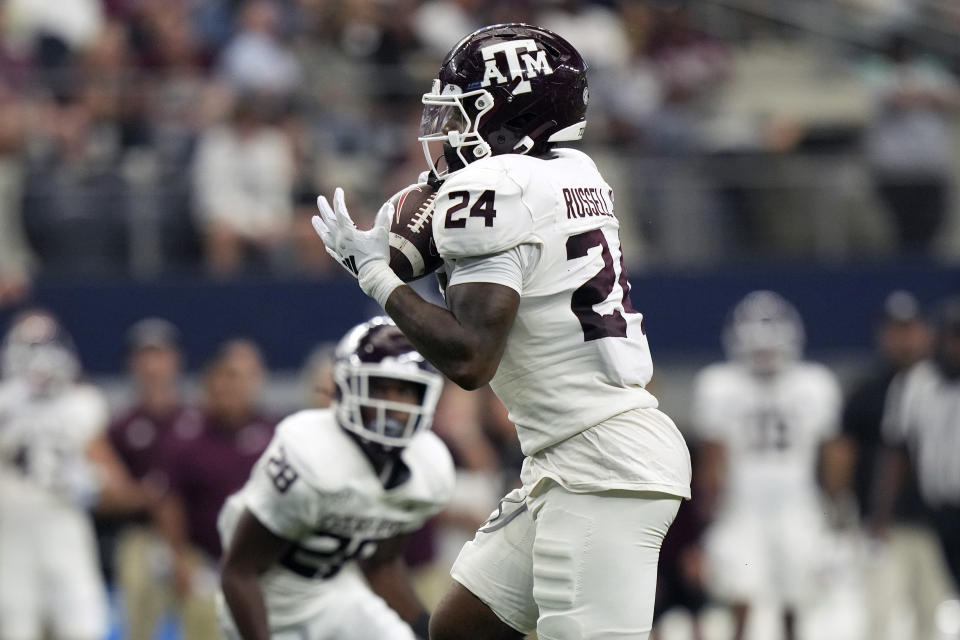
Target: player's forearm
{"type": "Point", "coordinates": [123, 498]}
{"type": "Point", "coordinates": [836, 469]}
{"type": "Point", "coordinates": [888, 482]}
{"type": "Point", "coordinates": [171, 521]}
{"type": "Point", "coordinates": [390, 582]}
{"type": "Point", "coordinates": [244, 598]}
{"type": "Point", "coordinates": [437, 334]}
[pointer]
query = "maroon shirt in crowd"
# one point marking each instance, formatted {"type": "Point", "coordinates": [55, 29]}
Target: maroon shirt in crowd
{"type": "Point", "coordinates": [206, 469]}
{"type": "Point", "coordinates": [140, 439]}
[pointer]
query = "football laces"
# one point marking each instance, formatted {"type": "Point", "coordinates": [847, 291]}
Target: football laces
{"type": "Point", "coordinates": [420, 219]}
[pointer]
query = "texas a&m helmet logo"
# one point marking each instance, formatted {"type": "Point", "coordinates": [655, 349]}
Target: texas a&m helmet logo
{"type": "Point", "coordinates": [524, 61]}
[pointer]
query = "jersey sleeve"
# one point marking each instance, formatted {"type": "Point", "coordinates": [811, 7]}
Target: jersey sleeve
{"type": "Point", "coordinates": [277, 493]}
{"type": "Point", "coordinates": [442, 476]}
{"type": "Point", "coordinates": [432, 464]}
{"type": "Point", "coordinates": [713, 395]}
{"type": "Point", "coordinates": [91, 413]}
{"type": "Point", "coordinates": [828, 402]}
{"type": "Point", "coordinates": [507, 268]}
{"type": "Point", "coordinates": [481, 211]}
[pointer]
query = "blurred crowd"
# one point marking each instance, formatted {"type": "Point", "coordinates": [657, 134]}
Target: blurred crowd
{"type": "Point", "coordinates": [150, 137]}
{"type": "Point", "coordinates": [154, 137]}
{"type": "Point", "coordinates": [832, 501]}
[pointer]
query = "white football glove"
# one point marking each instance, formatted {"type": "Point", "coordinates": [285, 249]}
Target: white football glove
{"type": "Point", "coordinates": [348, 245]}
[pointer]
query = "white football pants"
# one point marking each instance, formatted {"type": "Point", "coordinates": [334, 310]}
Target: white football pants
{"type": "Point", "coordinates": [570, 566]}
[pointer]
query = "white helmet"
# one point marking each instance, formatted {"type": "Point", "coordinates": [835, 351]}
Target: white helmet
{"type": "Point", "coordinates": [764, 332]}
{"type": "Point", "coordinates": [378, 349]}
{"type": "Point", "coordinates": [39, 352]}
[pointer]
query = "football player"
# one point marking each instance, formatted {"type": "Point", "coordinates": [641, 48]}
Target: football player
{"type": "Point", "coordinates": [762, 418]}
{"type": "Point", "coordinates": [313, 540]}
{"type": "Point", "coordinates": [56, 463]}
{"type": "Point", "coordinates": [538, 305]}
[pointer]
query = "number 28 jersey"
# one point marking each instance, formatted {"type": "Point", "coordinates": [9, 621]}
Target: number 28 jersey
{"type": "Point", "coordinates": [577, 354]}
{"type": "Point", "coordinates": [315, 487]}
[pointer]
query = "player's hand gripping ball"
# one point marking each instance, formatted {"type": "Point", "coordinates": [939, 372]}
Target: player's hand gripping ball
{"type": "Point", "coordinates": [413, 253]}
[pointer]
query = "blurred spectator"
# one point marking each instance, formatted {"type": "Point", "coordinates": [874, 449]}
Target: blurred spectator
{"type": "Point", "coordinates": [52, 34]}
{"type": "Point", "coordinates": [56, 464]}
{"type": "Point", "coordinates": [319, 390]}
{"type": "Point", "coordinates": [662, 100]}
{"type": "Point", "coordinates": [244, 176]}
{"type": "Point", "coordinates": [921, 420]}
{"type": "Point", "coordinates": [76, 23]}
{"type": "Point", "coordinates": [908, 565]}
{"type": "Point", "coordinates": [691, 67]}
{"type": "Point", "coordinates": [630, 92]}
{"type": "Point", "coordinates": [256, 59]}
{"type": "Point", "coordinates": [438, 22]}
{"type": "Point", "coordinates": [15, 254]}
{"type": "Point", "coordinates": [762, 419]}
{"type": "Point", "coordinates": [142, 434]}
{"type": "Point", "coordinates": [181, 101]}
{"type": "Point", "coordinates": [902, 338]}
{"type": "Point", "coordinates": [909, 142]}
{"type": "Point", "coordinates": [109, 85]}
{"type": "Point", "coordinates": [207, 468]}
{"type": "Point", "coordinates": [76, 207]}
{"type": "Point", "coordinates": [595, 30]}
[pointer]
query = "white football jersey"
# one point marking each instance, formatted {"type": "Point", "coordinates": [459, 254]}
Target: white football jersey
{"type": "Point", "coordinates": [49, 570]}
{"type": "Point", "coordinates": [771, 429]}
{"type": "Point", "coordinates": [314, 486]}
{"type": "Point", "coordinates": [577, 354]}
{"type": "Point", "coordinates": [43, 440]}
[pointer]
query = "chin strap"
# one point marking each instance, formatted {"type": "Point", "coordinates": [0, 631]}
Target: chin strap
{"type": "Point", "coordinates": [527, 142]}
{"type": "Point", "coordinates": [386, 471]}
{"type": "Point", "coordinates": [524, 146]}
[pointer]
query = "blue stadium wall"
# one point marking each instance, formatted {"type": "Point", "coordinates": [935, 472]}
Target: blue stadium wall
{"type": "Point", "coordinates": [684, 311]}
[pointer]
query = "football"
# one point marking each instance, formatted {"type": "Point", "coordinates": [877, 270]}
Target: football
{"type": "Point", "coordinates": [412, 251]}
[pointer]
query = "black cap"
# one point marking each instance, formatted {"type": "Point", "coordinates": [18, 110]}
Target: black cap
{"type": "Point", "coordinates": [901, 306]}
{"type": "Point", "coordinates": [154, 333]}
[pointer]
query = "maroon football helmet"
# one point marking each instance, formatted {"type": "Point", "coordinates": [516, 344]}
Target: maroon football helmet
{"type": "Point", "coordinates": [378, 349]}
{"type": "Point", "coordinates": [507, 88]}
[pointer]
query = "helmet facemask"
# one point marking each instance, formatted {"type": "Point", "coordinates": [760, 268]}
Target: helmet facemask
{"type": "Point", "coordinates": [354, 384]}
{"type": "Point", "coordinates": [447, 120]}
{"type": "Point", "coordinates": [378, 350]}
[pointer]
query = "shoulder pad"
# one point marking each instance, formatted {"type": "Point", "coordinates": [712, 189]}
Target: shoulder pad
{"type": "Point", "coordinates": [481, 210]}
{"type": "Point", "coordinates": [433, 459]}
{"type": "Point", "coordinates": [576, 154]}
{"type": "Point", "coordinates": [718, 379]}
{"type": "Point", "coordinates": [716, 388]}
{"type": "Point", "coordinates": [314, 446]}
{"type": "Point", "coordinates": [817, 378]}
{"type": "Point", "coordinates": [89, 409]}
